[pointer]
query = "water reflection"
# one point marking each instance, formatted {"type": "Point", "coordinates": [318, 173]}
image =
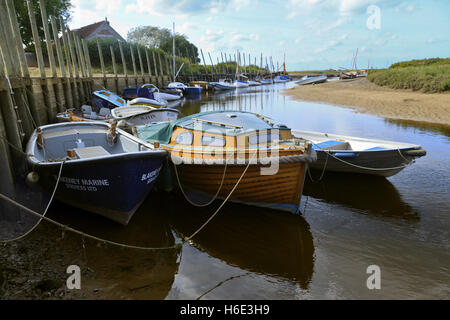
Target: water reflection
{"type": "Point", "coordinates": [367, 194]}
{"type": "Point", "coordinates": [253, 239]}
{"type": "Point", "coordinates": [424, 126]}
{"type": "Point", "coordinates": [127, 273]}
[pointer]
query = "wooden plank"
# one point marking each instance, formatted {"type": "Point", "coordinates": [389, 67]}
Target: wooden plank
{"type": "Point", "coordinates": [154, 63]}
{"type": "Point", "coordinates": [148, 64]}
{"type": "Point", "coordinates": [160, 65]}
{"type": "Point", "coordinates": [7, 108]}
{"type": "Point", "coordinates": [113, 59]}
{"type": "Point", "coordinates": [73, 102]}
{"type": "Point", "coordinates": [124, 65]}
{"type": "Point", "coordinates": [48, 41]}
{"type": "Point", "coordinates": [102, 62]}
{"type": "Point", "coordinates": [23, 92]}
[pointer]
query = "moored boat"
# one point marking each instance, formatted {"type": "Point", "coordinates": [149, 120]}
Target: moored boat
{"type": "Point", "coordinates": [148, 96]}
{"type": "Point", "coordinates": [240, 84]}
{"type": "Point", "coordinates": [358, 155]}
{"type": "Point", "coordinates": [312, 80]}
{"type": "Point", "coordinates": [102, 169]}
{"type": "Point", "coordinates": [223, 84]}
{"type": "Point", "coordinates": [103, 102]}
{"type": "Point", "coordinates": [141, 115]}
{"type": "Point", "coordinates": [240, 155]}
{"type": "Point", "coordinates": [188, 90]}
{"type": "Point", "coordinates": [281, 79]}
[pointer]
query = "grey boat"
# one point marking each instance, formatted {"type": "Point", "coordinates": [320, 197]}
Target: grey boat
{"type": "Point", "coordinates": [358, 155]}
{"type": "Point", "coordinates": [312, 80]}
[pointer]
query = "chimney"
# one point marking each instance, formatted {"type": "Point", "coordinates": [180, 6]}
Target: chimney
{"type": "Point", "coordinates": [106, 20]}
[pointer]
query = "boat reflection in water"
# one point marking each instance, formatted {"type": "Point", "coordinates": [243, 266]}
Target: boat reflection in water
{"type": "Point", "coordinates": [255, 239]}
{"type": "Point", "coordinates": [118, 273]}
{"type": "Point", "coordinates": [367, 194]}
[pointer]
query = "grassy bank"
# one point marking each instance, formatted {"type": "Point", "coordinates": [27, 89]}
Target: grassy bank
{"type": "Point", "coordinates": [428, 76]}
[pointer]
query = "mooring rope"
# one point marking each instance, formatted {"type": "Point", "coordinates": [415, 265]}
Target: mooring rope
{"type": "Point", "coordinates": [45, 211]}
{"type": "Point", "coordinates": [362, 167]}
{"type": "Point", "coordinates": [81, 233]}
{"type": "Point", "coordinates": [197, 204]}
{"type": "Point", "coordinates": [224, 201]}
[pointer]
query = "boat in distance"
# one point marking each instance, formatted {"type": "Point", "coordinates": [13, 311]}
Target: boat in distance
{"type": "Point", "coordinates": [359, 155]}
{"type": "Point", "coordinates": [210, 151]}
{"type": "Point", "coordinates": [312, 80]}
{"type": "Point", "coordinates": [104, 170]}
{"type": "Point", "coordinates": [141, 115]}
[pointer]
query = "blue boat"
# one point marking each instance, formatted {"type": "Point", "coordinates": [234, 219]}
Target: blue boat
{"type": "Point", "coordinates": [103, 169]}
{"type": "Point", "coordinates": [188, 90]}
{"type": "Point", "coordinates": [107, 99]}
{"type": "Point", "coordinates": [281, 79]}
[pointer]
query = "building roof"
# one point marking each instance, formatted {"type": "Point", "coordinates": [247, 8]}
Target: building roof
{"type": "Point", "coordinates": [86, 31]}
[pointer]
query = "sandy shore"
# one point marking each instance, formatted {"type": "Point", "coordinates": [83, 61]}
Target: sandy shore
{"type": "Point", "coordinates": [364, 96]}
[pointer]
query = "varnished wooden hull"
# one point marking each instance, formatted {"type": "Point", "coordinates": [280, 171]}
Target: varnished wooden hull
{"type": "Point", "coordinates": [281, 191]}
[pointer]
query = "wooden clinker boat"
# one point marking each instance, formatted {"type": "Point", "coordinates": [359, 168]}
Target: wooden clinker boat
{"type": "Point", "coordinates": [210, 147]}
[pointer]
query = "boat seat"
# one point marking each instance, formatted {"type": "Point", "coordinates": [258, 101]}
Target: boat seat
{"type": "Point", "coordinates": [91, 152]}
{"type": "Point", "coordinates": [86, 109]}
{"type": "Point", "coordinates": [105, 112]}
{"type": "Point", "coordinates": [375, 149]}
{"type": "Point", "coordinates": [331, 145]}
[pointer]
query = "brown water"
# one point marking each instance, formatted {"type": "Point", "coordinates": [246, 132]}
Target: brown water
{"type": "Point", "coordinates": [347, 223]}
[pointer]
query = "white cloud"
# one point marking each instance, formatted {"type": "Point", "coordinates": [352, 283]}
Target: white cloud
{"type": "Point", "coordinates": [108, 6]}
{"type": "Point", "coordinates": [176, 7]}
{"type": "Point", "coordinates": [332, 43]}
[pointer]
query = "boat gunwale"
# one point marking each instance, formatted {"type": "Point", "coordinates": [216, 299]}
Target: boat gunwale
{"type": "Point", "coordinates": [33, 140]}
{"type": "Point", "coordinates": [403, 146]}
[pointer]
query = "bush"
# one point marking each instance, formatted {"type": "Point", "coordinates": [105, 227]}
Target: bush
{"type": "Point", "coordinates": [430, 75]}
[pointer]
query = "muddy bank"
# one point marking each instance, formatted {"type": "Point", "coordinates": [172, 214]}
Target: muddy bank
{"type": "Point", "coordinates": [366, 97]}
{"type": "Point", "coordinates": [36, 267]}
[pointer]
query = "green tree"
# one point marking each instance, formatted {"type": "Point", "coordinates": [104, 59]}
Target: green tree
{"type": "Point", "coordinates": [56, 8]}
{"type": "Point", "coordinates": [161, 38]}
{"type": "Point", "coordinates": [183, 47]}
{"type": "Point", "coordinates": [149, 36]}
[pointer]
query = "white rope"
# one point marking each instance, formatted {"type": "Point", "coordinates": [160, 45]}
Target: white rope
{"type": "Point", "coordinates": [64, 227]}
{"type": "Point", "coordinates": [45, 211]}
{"type": "Point", "coordinates": [223, 203]}
{"type": "Point", "coordinates": [361, 167]}
{"type": "Point", "coordinates": [204, 204]}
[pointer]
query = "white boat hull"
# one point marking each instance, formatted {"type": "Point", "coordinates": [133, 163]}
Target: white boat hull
{"type": "Point", "coordinates": [358, 155]}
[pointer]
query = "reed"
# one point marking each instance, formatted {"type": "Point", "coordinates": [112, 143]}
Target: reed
{"type": "Point", "coordinates": [428, 76]}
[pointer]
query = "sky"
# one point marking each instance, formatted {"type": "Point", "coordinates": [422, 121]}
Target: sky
{"type": "Point", "coordinates": [308, 34]}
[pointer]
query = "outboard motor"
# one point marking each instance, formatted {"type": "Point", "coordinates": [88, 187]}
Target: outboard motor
{"type": "Point", "coordinates": [146, 93]}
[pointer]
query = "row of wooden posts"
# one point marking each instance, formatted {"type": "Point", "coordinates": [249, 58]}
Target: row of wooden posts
{"type": "Point", "coordinates": [27, 101]}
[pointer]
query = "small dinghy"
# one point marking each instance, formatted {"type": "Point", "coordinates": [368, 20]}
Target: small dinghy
{"type": "Point", "coordinates": [253, 83]}
{"type": "Point", "coordinates": [141, 115]}
{"type": "Point", "coordinates": [188, 90]}
{"type": "Point", "coordinates": [168, 95]}
{"type": "Point", "coordinates": [223, 84]}
{"type": "Point", "coordinates": [240, 84]}
{"type": "Point", "coordinates": [148, 96]}
{"type": "Point", "coordinates": [359, 155]}
{"type": "Point", "coordinates": [103, 102]}
{"type": "Point", "coordinates": [281, 79]}
{"type": "Point", "coordinates": [103, 169]}
{"type": "Point", "coordinates": [312, 80]}
{"type": "Point", "coordinates": [266, 81]}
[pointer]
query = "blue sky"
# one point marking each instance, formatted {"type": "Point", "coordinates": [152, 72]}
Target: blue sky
{"type": "Point", "coordinates": [314, 34]}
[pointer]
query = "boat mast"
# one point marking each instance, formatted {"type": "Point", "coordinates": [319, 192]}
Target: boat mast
{"type": "Point", "coordinates": [173, 53]}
